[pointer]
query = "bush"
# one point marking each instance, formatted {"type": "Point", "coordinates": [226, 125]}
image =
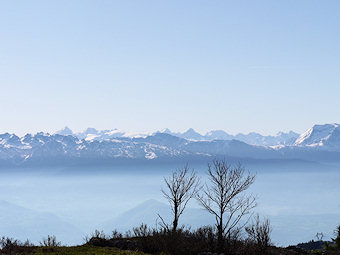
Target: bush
{"type": "Point", "coordinates": [259, 233]}
{"type": "Point", "coordinates": [12, 246]}
{"type": "Point", "coordinates": [337, 239]}
{"type": "Point", "coordinates": [182, 241]}
{"type": "Point", "coordinates": [50, 241]}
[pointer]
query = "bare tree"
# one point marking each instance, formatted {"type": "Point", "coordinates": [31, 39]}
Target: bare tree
{"type": "Point", "coordinates": [181, 187]}
{"type": "Point", "coordinates": [225, 199]}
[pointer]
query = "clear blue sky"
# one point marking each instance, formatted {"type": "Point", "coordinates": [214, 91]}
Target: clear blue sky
{"type": "Point", "coordinates": [239, 66]}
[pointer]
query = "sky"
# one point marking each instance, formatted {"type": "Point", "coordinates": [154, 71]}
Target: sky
{"type": "Point", "coordinates": [239, 66]}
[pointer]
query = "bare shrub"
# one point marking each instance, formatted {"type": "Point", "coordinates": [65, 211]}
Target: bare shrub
{"type": "Point", "coordinates": [141, 231]}
{"type": "Point", "coordinates": [98, 234]}
{"type": "Point", "coordinates": [13, 246]}
{"type": "Point", "coordinates": [116, 234]}
{"type": "Point", "coordinates": [50, 241]}
{"type": "Point", "coordinates": [337, 239]}
{"type": "Point", "coordinates": [259, 232]}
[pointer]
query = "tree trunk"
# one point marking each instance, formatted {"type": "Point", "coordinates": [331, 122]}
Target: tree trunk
{"type": "Point", "coordinates": [175, 223]}
{"type": "Point", "coordinates": [220, 241]}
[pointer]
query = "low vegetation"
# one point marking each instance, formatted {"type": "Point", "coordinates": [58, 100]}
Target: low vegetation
{"type": "Point", "coordinates": [143, 240]}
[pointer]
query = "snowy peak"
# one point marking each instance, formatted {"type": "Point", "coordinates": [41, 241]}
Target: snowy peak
{"type": "Point", "coordinates": [191, 134]}
{"type": "Point", "coordinates": [65, 131]}
{"type": "Point", "coordinates": [91, 131]}
{"type": "Point", "coordinates": [218, 135]}
{"type": "Point", "coordinates": [252, 138]}
{"type": "Point", "coordinates": [320, 135]}
{"type": "Point", "coordinates": [92, 134]}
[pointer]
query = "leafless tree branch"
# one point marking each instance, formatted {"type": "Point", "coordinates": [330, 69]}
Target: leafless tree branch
{"type": "Point", "coordinates": [182, 186]}
{"type": "Point", "coordinates": [224, 197]}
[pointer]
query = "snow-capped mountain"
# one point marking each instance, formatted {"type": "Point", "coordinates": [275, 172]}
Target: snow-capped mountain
{"type": "Point", "coordinates": [280, 138]}
{"type": "Point", "coordinates": [43, 146]}
{"type": "Point", "coordinates": [190, 134]}
{"type": "Point", "coordinates": [252, 138]}
{"type": "Point", "coordinates": [46, 148]}
{"type": "Point", "coordinates": [93, 134]}
{"type": "Point", "coordinates": [67, 147]}
{"type": "Point", "coordinates": [325, 137]}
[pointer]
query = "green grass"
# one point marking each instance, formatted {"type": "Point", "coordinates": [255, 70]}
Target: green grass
{"type": "Point", "coordinates": [83, 250]}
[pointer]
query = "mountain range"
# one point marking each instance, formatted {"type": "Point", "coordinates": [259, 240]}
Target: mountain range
{"type": "Point", "coordinates": [252, 138]}
{"type": "Point", "coordinates": [321, 142]}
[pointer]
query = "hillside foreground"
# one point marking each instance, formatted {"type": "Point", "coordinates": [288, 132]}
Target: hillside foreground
{"type": "Point", "coordinates": [73, 250]}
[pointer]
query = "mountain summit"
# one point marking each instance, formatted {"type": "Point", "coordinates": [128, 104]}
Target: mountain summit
{"type": "Point", "coordinates": [65, 131]}
{"type": "Point", "coordinates": [325, 136]}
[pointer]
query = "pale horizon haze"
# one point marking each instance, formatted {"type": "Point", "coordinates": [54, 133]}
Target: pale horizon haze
{"type": "Point", "coordinates": [240, 66]}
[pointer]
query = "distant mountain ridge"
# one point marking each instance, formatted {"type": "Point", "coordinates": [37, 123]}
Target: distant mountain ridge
{"type": "Point", "coordinates": [252, 138]}
{"type": "Point", "coordinates": [147, 213]}
{"type": "Point", "coordinates": [321, 142]}
{"type": "Point", "coordinates": [22, 223]}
